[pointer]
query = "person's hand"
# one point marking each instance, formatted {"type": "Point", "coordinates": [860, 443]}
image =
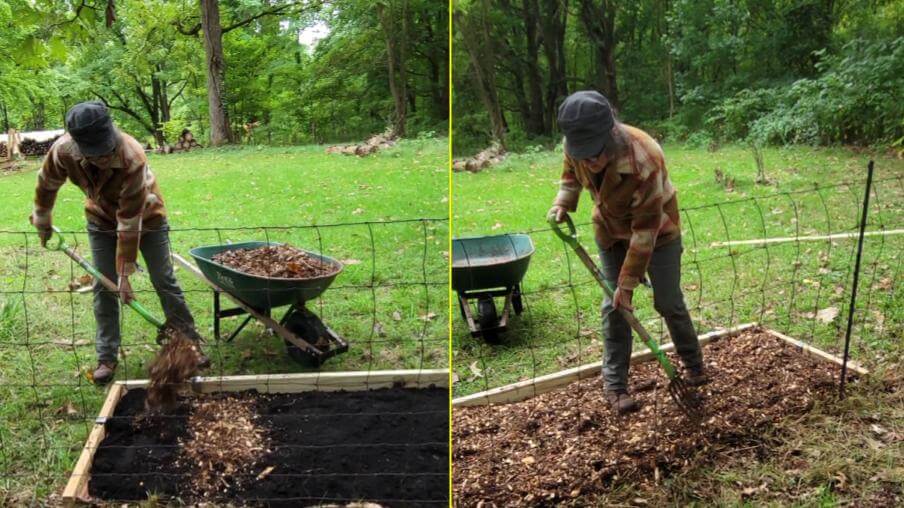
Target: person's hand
{"type": "Point", "coordinates": [622, 299]}
{"type": "Point", "coordinates": [44, 230]}
{"type": "Point", "coordinates": [125, 290]}
{"type": "Point", "coordinates": [557, 213]}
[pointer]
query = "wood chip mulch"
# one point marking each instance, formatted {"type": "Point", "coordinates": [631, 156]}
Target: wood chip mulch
{"type": "Point", "coordinates": [224, 445]}
{"type": "Point", "coordinates": [275, 261]}
{"type": "Point", "coordinates": [567, 444]}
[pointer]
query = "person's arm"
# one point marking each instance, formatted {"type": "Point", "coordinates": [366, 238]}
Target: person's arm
{"type": "Point", "coordinates": [51, 177]}
{"type": "Point", "coordinates": [132, 200]}
{"type": "Point", "coordinates": [646, 210]}
{"type": "Point", "coordinates": [569, 193]}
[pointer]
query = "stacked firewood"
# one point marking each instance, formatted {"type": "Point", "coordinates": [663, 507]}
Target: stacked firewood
{"type": "Point", "coordinates": [30, 147]}
{"type": "Point", "coordinates": [185, 143]}
{"type": "Point", "coordinates": [486, 158]}
{"type": "Point", "coordinates": [3, 152]}
{"type": "Point", "coordinates": [372, 145]}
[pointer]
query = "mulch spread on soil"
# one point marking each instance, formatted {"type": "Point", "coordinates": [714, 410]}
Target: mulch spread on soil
{"type": "Point", "coordinates": [567, 444]}
{"type": "Point", "coordinates": [275, 261]}
{"type": "Point", "coordinates": [388, 446]}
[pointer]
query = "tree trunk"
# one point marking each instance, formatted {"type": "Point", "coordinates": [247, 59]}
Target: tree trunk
{"type": "Point", "coordinates": [216, 73]}
{"type": "Point", "coordinates": [599, 23]}
{"type": "Point", "coordinates": [5, 113]}
{"type": "Point", "coordinates": [395, 48]}
{"type": "Point", "coordinates": [479, 45]}
{"type": "Point", "coordinates": [552, 24]}
{"type": "Point", "coordinates": [534, 122]}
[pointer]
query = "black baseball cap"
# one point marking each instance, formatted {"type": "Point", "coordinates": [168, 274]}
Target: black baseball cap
{"type": "Point", "coordinates": [586, 119]}
{"type": "Point", "coordinates": [91, 127]}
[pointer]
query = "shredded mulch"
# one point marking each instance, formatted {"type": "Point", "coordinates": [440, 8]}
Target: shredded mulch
{"type": "Point", "coordinates": [175, 363]}
{"type": "Point", "coordinates": [275, 261]}
{"type": "Point", "coordinates": [224, 445]}
{"type": "Point", "coordinates": [567, 444]}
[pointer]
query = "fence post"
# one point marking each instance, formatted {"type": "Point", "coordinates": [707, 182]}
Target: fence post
{"type": "Point", "coordinates": [850, 323]}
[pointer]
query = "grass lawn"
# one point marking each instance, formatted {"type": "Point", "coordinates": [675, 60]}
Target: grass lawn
{"type": "Point", "coordinates": [800, 288]}
{"type": "Point", "coordinates": [390, 302]}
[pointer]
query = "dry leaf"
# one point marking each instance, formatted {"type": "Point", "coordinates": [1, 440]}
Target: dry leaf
{"type": "Point", "coordinates": [496, 226]}
{"type": "Point", "coordinates": [396, 315]}
{"type": "Point", "coordinates": [358, 211]}
{"type": "Point", "coordinates": [67, 409]}
{"type": "Point", "coordinates": [427, 317]}
{"type": "Point", "coordinates": [475, 370]}
{"type": "Point", "coordinates": [528, 460]}
{"type": "Point", "coordinates": [378, 329]}
{"type": "Point", "coordinates": [455, 378]}
{"type": "Point", "coordinates": [66, 343]}
{"type": "Point", "coordinates": [827, 315]}
{"type": "Point", "coordinates": [350, 262]}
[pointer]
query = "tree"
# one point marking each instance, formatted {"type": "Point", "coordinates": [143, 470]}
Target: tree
{"type": "Point", "coordinates": [393, 17]}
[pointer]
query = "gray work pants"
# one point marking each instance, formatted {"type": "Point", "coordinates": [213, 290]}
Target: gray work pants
{"type": "Point", "coordinates": [155, 249]}
{"type": "Point", "coordinates": [665, 277]}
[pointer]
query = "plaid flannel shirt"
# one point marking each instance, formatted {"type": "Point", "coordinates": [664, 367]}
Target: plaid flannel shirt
{"type": "Point", "coordinates": [635, 201]}
{"type": "Point", "coordinates": [124, 197]}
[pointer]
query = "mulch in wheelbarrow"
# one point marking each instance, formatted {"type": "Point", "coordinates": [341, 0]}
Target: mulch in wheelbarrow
{"type": "Point", "coordinates": [567, 444]}
{"type": "Point", "coordinates": [275, 261]}
{"type": "Point", "coordinates": [388, 446]}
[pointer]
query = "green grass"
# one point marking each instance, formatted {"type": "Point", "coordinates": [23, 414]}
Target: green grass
{"type": "Point", "coordinates": [782, 285]}
{"type": "Point", "coordinates": [380, 302]}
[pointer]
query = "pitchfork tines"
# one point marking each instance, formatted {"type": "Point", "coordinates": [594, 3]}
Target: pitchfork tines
{"type": "Point", "coordinates": [685, 398]}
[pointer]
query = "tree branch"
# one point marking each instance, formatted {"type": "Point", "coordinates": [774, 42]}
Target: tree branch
{"type": "Point", "coordinates": [123, 106]}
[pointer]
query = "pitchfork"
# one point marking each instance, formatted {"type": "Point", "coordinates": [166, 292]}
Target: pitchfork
{"type": "Point", "coordinates": [679, 391]}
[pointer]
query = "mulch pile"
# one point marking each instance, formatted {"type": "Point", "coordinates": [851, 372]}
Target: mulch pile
{"type": "Point", "coordinates": [275, 261]}
{"type": "Point", "coordinates": [567, 443]}
{"type": "Point", "coordinates": [224, 445]}
{"type": "Point", "coordinates": [388, 446]}
{"type": "Point", "coordinates": [175, 363]}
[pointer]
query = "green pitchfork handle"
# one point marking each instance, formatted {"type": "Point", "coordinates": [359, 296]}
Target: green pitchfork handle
{"type": "Point", "coordinates": [571, 238]}
{"type": "Point", "coordinates": [60, 245]}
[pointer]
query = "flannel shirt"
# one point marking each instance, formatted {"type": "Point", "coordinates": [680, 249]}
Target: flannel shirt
{"type": "Point", "coordinates": [634, 199]}
{"type": "Point", "coordinates": [124, 197]}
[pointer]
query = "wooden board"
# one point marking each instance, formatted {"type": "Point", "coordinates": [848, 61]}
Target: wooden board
{"type": "Point", "coordinates": [314, 381]}
{"type": "Point", "coordinates": [76, 490]}
{"type": "Point", "coordinates": [77, 487]}
{"type": "Point", "coordinates": [523, 390]}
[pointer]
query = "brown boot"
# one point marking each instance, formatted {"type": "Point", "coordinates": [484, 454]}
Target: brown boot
{"type": "Point", "coordinates": [104, 372]}
{"type": "Point", "coordinates": [696, 377]}
{"type": "Point", "coordinates": [621, 402]}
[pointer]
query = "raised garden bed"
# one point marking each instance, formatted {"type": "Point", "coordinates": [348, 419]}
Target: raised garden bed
{"type": "Point", "coordinates": [554, 439]}
{"type": "Point", "coordinates": [276, 440]}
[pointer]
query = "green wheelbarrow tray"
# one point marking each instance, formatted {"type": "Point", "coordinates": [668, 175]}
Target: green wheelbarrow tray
{"type": "Point", "coordinates": [262, 293]}
{"type": "Point", "coordinates": [488, 262]}
{"type": "Point", "coordinates": [487, 267]}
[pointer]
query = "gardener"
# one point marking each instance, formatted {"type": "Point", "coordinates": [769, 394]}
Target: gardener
{"type": "Point", "coordinates": [125, 213]}
{"type": "Point", "coordinates": [635, 220]}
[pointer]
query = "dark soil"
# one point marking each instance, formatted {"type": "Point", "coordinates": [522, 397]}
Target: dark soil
{"type": "Point", "coordinates": [568, 445]}
{"type": "Point", "coordinates": [275, 261]}
{"type": "Point", "coordinates": [387, 446]}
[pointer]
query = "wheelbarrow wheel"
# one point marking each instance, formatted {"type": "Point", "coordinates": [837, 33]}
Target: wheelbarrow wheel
{"type": "Point", "coordinates": [486, 316]}
{"type": "Point", "coordinates": [517, 304]}
{"type": "Point", "coordinates": [303, 359]}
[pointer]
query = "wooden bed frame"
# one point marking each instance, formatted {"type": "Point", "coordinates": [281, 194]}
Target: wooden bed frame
{"type": "Point", "coordinates": [76, 490]}
{"type": "Point", "coordinates": [526, 389]}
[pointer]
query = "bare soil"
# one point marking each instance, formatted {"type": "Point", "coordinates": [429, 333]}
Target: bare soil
{"type": "Point", "coordinates": [275, 261]}
{"type": "Point", "coordinates": [567, 445]}
{"type": "Point", "coordinates": [387, 446]}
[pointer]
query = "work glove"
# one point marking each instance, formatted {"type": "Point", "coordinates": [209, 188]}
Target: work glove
{"type": "Point", "coordinates": [558, 213]}
{"type": "Point", "coordinates": [622, 299]}
{"type": "Point", "coordinates": [125, 290]}
{"type": "Point", "coordinates": [45, 231]}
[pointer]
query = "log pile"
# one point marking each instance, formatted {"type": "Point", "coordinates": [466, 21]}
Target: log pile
{"type": "Point", "coordinates": [30, 147]}
{"type": "Point", "coordinates": [185, 143]}
{"type": "Point", "coordinates": [3, 152]}
{"type": "Point", "coordinates": [486, 158]}
{"type": "Point", "coordinates": [373, 145]}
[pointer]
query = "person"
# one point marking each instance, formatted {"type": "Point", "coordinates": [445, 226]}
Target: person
{"type": "Point", "coordinates": [636, 228]}
{"type": "Point", "coordinates": [125, 213]}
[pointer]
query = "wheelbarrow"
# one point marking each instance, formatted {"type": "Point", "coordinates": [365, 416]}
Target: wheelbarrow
{"type": "Point", "coordinates": [308, 340]}
{"type": "Point", "coordinates": [487, 267]}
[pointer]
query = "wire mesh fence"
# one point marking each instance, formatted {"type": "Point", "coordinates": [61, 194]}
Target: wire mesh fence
{"type": "Point", "coordinates": [783, 260]}
{"type": "Point", "coordinates": [389, 303]}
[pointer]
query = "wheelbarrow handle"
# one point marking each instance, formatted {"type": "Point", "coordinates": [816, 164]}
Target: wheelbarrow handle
{"type": "Point", "coordinates": [61, 245]}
